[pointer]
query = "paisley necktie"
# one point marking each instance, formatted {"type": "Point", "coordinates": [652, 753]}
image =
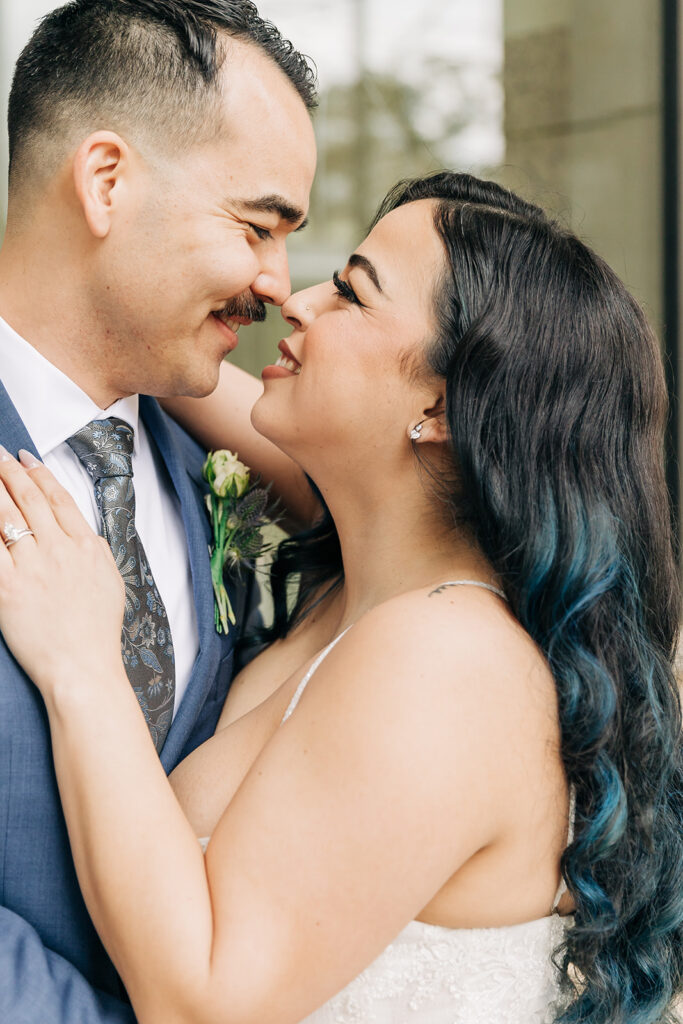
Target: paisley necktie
{"type": "Point", "coordinates": [105, 448]}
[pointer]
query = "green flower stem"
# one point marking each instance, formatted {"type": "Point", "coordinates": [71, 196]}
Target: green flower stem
{"type": "Point", "coordinates": [237, 536]}
{"type": "Point", "coordinates": [223, 611]}
{"type": "Point", "coordinates": [216, 516]}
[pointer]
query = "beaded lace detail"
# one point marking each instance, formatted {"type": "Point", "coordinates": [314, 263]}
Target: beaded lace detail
{"type": "Point", "coordinates": [435, 975]}
{"type": "Point", "coordinates": [432, 975]}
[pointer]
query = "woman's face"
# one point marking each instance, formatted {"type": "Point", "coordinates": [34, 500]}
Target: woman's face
{"type": "Point", "coordinates": [356, 340]}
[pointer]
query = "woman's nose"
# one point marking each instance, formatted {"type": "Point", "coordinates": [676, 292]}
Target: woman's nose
{"type": "Point", "coordinates": [303, 307]}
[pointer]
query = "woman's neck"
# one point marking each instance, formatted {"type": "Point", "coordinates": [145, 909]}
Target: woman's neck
{"type": "Point", "coordinates": [396, 544]}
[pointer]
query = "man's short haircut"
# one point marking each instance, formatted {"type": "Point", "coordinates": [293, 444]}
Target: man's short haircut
{"type": "Point", "coordinates": [150, 66]}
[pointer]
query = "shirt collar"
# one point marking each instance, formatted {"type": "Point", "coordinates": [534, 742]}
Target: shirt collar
{"type": "Point", "coordinates": [51, 406]}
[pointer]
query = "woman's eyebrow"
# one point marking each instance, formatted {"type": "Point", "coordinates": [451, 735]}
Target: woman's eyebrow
{"type": "Point", "coordinates": [363, 263]}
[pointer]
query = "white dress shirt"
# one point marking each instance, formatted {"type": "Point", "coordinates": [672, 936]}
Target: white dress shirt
{"type": "Point", "coordinates": [53, 408]}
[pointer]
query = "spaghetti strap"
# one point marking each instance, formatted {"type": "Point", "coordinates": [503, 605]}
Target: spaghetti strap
{"type": "Point", "coordinates": [323, 654]}
{"type": "Point", "coordinates": [309, 675]}
{"type": "Point", "coordinates": [470, 583]}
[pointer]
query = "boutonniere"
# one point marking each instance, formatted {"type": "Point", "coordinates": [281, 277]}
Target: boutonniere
{"type": "Point", "coordinates": [237, 509]}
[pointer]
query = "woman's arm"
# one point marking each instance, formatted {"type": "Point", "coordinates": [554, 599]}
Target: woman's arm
{"type": "Point", "coordinates": [355, 814]}
{"type": "Point", "coordinates": [223, 420]}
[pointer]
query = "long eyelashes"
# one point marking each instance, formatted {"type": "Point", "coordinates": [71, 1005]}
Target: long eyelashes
{"type": "Point", "coordinates": [344, 289]}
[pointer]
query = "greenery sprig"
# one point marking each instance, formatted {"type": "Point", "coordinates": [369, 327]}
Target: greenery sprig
{"type": "Point", "coordinates": [238, 515]}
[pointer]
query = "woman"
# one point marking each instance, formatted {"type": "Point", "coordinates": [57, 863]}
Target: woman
{"type": "Point", "coordinates": [484, 636]}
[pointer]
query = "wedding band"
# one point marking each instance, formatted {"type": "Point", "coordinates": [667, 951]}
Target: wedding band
{"type": "Point", "coordinates": [12, 534]}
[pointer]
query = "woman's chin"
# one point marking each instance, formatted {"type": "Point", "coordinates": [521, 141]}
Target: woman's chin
{"type": "Point", "coordinates": [265, 422]}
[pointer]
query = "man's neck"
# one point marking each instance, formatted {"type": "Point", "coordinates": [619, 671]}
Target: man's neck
{"type": "Point", "coordinates": [49, 312]}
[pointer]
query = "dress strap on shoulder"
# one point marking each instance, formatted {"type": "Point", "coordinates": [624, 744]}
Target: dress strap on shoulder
{"type": "Point", "coordinates": [471, 583]}
{"type": "Point", "coordinates": [562, 888]}
{"type": "Point", "coordinates": [309, 675]}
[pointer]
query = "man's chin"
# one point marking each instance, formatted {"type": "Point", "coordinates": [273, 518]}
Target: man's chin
{"type": "Point", "coordinates": [193, 390]}
{"type": "Point", "coordinates": [184, 386]}
{"type": "Point", "coordinates": [205, 384]}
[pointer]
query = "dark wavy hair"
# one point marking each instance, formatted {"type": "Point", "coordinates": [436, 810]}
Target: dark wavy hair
{"type": "Point", "coordinates": [556, 406]}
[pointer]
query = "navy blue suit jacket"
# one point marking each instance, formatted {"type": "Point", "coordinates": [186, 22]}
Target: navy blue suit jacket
{"type": "Point", "coordinates": [53, 968]}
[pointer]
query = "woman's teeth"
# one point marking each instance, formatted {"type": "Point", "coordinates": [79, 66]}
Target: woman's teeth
{"type": "Point", "coordinates": [288, 364]}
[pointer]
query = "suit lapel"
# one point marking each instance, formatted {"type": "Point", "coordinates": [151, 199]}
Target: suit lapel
{"type": "Point", "coordinates": [13, 433]}
{"type": "Point", "coordinates": [212, 648]}
{"type": "Point", "coordinates": [197, 528]}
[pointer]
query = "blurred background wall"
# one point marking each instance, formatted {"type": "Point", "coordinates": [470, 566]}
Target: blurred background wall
{"type": "Point", "coordinates": [572, 102]}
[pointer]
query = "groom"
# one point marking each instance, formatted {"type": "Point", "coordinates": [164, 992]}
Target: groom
{"type": "Point", "coordinates": [160, 153]}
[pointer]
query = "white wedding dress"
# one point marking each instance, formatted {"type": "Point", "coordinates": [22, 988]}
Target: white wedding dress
{"type": "Point", "coordinates": [435, 975]}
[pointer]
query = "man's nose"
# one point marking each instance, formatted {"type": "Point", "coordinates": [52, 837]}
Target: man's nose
{"type": "Point", "coordinates": [273, 283]}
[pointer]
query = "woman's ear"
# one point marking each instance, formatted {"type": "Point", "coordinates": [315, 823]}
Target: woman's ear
{"type": "Point", "coordinates": [432, 427]}
{"type": "Point", "coordinates": [98, 169]}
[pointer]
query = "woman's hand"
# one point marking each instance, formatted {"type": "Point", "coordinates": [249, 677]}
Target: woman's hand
{"type": "Point", "coordinates": [61, 595]}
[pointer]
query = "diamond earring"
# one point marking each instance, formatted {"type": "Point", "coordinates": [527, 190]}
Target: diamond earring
{"type": "Point", "coordinates": [416, 432]}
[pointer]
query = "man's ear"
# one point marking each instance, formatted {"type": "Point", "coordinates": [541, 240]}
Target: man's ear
{"type": "Point", "coordinates": [98, 169]}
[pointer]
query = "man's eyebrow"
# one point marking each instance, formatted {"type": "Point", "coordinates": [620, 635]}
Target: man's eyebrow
{"type": "Point", "coordinates": [363, 263]}
{"type": "Point", "coordinates": [275, 204]}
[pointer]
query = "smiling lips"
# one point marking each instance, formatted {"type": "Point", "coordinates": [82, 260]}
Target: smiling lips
{"type": "Point", "coordinates": [287, 360]}
{"type": "Point", "coordinates": [288, 364]}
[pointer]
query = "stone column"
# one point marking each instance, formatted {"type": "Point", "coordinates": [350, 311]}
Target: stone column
{"type": "Point", "coordinates": [583, 126]}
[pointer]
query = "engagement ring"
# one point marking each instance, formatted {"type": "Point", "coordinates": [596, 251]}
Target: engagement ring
{"type": "Point", "coordinates": [12, 534]}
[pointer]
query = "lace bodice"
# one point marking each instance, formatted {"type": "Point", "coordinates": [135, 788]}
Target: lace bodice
{"type": "Point", "coordinates": [435, 975]}
{"type": "Point", "coordinates": [431, 975]}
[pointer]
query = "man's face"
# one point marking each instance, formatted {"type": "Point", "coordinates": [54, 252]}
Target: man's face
{"type": "Point", "coordinates": [203, 243]}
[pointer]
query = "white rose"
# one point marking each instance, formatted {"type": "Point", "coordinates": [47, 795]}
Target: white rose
{"type": "Point", "coordinates": [225, 474]}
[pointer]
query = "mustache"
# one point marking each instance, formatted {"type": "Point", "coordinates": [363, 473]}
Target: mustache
{"type": "Point", "coordinates": [247, 306]}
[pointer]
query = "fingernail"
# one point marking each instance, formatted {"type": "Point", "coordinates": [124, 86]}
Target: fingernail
{"type": "Point", "coordinates": [4, 454]}
{"type": "Point", "coordinates": [28, 460]}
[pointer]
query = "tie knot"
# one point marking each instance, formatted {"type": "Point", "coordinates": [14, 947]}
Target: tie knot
{"type": "Point", "coordinates": [105, 447]}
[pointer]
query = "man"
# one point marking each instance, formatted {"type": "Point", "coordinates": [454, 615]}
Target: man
{"type": "Point", "coordinates": [160, 153]}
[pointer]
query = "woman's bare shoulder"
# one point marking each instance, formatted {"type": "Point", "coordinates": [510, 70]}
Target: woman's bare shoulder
{"type": "Point", "coordinates": [453, 685]}
{"type": "Point", "coordinates": [460, 650]}
{"type": "Point", "coordinates": [449, 624]}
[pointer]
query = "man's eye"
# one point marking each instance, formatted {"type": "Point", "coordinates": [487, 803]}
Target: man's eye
{"type": "Point", "coordinates": [261, 233]}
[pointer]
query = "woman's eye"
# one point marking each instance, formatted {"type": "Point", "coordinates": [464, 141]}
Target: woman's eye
{"type": "Point", "coordinates": [261, 233]}
{"type": "Point", "coordinates": [345, 290]}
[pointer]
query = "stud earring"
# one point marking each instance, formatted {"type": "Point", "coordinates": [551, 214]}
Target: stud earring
{"type": "Point", "coordinates": [416, 432]}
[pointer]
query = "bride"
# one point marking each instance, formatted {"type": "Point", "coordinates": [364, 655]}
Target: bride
{"type": "Point", "coordinates": [471, 702]}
